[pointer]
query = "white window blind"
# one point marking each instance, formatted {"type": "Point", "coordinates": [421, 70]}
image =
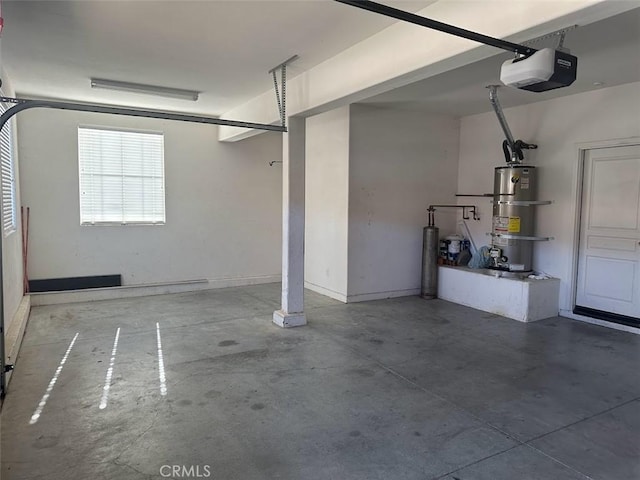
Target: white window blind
{"type": "Point", "coordinates": [8, 177]}
{"type": "Point", "coordinates": [121, 176]}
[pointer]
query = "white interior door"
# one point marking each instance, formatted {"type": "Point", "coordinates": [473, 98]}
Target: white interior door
{"type": "Point", "coordinates": [609, 256]}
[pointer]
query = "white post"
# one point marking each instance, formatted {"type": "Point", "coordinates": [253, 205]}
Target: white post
{"type": "Point", "coordinates": [293, 150]}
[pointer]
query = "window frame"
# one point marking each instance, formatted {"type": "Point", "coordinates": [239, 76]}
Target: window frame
{"type": "Point", "coordinates": [122, 222]}
{"type": "Point", "coordinates": [10, 165]}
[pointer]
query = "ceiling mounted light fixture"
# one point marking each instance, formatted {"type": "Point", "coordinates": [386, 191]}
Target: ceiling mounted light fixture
{"type": "Point", "coordinates": [179, 93]}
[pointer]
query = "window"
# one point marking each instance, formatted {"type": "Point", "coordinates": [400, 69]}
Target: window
{"type": "Point", "coordinates": [8, 177]}
{"type": "Point", "coordinates": [121, 176]}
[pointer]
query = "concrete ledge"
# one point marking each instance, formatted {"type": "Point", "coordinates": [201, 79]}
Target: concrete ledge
{"type": "Point", "coordinates": [130, 291]}
{"type": "Point", "coordinates": [525, 300]}
{"type": "Point", "coordinates": [289, 320]}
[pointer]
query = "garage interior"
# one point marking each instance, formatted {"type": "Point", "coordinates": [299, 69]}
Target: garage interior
{"type": "Point", "coordinates": [186, 367]}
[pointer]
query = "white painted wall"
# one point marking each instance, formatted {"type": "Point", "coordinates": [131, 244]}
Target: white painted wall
{"type": "Point", "coordinates": [223, 206]}
{"type": "Point", "coordinates": [400, 162]}
{"type": "Point", "coordinates": [12, 244]}
{"type": "Point", "coordinates": [327, 203]}
{"type": "Point", "coordinates": [557, 127]}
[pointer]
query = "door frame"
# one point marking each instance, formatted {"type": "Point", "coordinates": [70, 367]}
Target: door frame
{"type": "Point", "coordinates": [578, 190]}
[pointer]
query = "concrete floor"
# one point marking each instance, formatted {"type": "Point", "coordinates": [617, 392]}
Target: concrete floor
{"type": "Point", "coordinates": [393, 389]}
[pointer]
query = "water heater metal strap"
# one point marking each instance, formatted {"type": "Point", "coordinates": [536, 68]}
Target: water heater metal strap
{"type": "Point", "coordinates": [523, 203]}
{"type": "Point", "coordinates": [508, 236]}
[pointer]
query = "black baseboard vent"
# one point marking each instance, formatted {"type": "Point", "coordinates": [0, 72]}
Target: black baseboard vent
{"type": "Point", "coordinates": [74, 283]}
{"type": "Point", "coordinates": [607, 316]}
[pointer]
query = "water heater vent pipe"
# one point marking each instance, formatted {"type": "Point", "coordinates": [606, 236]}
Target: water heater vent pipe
{"type": "Point", "coordinates": [512, 148]}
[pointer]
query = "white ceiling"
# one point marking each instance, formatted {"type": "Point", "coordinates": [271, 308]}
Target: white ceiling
{"type": "Point", "coordinates": [222, 48]}
{"type": "Point", "coordinates": [608, 53]}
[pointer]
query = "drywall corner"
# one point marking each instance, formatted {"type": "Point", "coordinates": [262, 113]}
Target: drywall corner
{"type": "Point", "coordinates": [326, 204]}
{"type": "Point", "coordinates": [401, 161]}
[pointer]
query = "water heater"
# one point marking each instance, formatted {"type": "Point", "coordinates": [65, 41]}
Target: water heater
{"type": "Point", "coordinates": [514, 218]}
{"type": "Point", "coordinates": [515, 190]}
{"type": "Point", "coordinates": [514, 197]}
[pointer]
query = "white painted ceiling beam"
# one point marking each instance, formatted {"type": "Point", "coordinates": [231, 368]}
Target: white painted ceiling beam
{"type": "Point", "coordinates": [405, 53]}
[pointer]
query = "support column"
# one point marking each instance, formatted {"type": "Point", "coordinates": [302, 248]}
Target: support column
{"type": "Point", "coordinates": [293, 151]}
